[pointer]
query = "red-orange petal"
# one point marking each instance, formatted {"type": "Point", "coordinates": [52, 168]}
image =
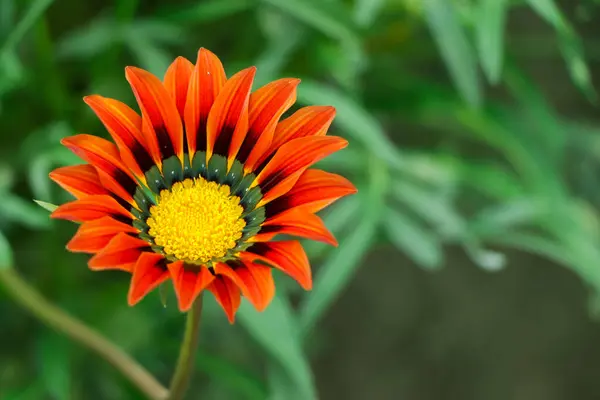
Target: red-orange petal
{"type": "Point", "coordinates": [297, 155]}
{"type": "Point", "coordinates": [287, 256]}
{"type": "Point", "coordinates": [301, 223]}
{"type": "Point", "coordinates": [307, 121]}
{"type": "Point", "coordinates": [124, 126]}
{"type": "Point", "coordinates": [227, 122]}
{"type": "Point", "coordinates": [266, 106]}
{"type": "Point", "coordinates": [161, 121]}
{"type": "Point", "coordinates": [188, 282]}
{"type": "Point", "coordinates": [93, 236]}
{"type": "Point", "coordinates": [149, 272]}
{"type": "Point", "coordinates": [176, 81]}
{"type": "Point", "coordinates": [104, 155]}
{"type": "Point", "coordinates": [121, 252]}
{"type": "Point", "coordinates": [227, 295]}
{"type": "Point", "coordinates": [254, 280]}
{"type": "Point", "coordinates": [79, 180]}
{"type": "Point", "coordinates": [315, 190]}
{"type": "Point", "coordinates": [90, 208]}
{"type": "Point", "coordinates": [206, 82]}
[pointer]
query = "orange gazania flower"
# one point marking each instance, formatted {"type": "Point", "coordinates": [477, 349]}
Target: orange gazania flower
{"type": "Point", "coordinates": [197, 188]}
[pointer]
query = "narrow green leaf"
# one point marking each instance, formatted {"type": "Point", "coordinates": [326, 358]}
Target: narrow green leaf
{"type": "Point", "coordinates": [96, 37]}
{"type": "Point", "coordinates": [337, 218]}
{"type": "Point", "coordinates": [206, 11]}
{"type": "Point", "coordinates": [46, 206]}
{"type": "Point", "coordinates": [150, 56]}
{"type": "Point", "coordinates": [537, 245]}
{"type": "Point", "coordinates": [328, 17]}
{"type": "Point", "coordinates": [431, 206]}
{"type": "Point", "coordinates": [23, 212]}
{"type": "Point", "coordinates": [6, 253]}
{"type": "Point", "coordinates": [452, 43]}
{"type": "Point", "coordinates": [336, 273]}
{"type": "Point", "coordinates": [366, 11]}
{"type": "Point", "coordinates": [569, 43]}
{"type": "Point", "coordinates": [276, 331]}
{"type": "Point", "coordinates": [35, 10]}
{"type": "Point", "coordinates": [413, 238]}
{"type": "Point", "coordinates": [507, 216]}
{"type": "Point", "coordinates": [489, 24]}
{"type": "Point", "coordinates": [548, 10]}
{"type": "Point", "coordinates": [353, 119]}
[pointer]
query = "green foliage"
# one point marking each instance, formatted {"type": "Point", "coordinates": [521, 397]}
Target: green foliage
{"type": "Point", "coordinates": [440, 160]}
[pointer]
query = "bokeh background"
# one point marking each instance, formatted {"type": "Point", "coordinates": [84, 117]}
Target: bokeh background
{"type": "Point", "coordinates": [469, 261]}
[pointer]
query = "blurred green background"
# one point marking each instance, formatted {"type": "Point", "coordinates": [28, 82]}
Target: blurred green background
{"type": "Point", "coordinates": [469, 261]}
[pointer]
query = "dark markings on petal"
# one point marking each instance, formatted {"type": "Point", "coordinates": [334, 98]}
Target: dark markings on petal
{"type": "Point", "coordinates": [164, 142]}
{"type": "Point", "coordinates": [223, 140]}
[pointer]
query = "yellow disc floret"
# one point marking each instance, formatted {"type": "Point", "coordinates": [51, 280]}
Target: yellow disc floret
{"type": "Point", "coordinates": [196, 220]}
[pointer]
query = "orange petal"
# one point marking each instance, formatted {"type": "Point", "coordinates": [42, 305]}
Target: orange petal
{"type": "Point", "coordinates": [121, 252]}
{"type": "Point", "coordinates": [149, 272]}
{"type": "Point", "coordinates": [93, 236]}
{"type": "Point", "coordinates": [255, 281]}
{"type": "Point", "coordinates": [188, 282]}
{"type": "Point", "coordinates": [177, 80]}
{"type": "Point", "coordinates": [161, 122]}
{"type": "Point", "coordinates": [89, 208]}
{"type": "Point", "coordinates": [124, 126]}
{"type": "Point", "coordinates": [227, 295]}
{"type": "Point", "coordinates": [307, 121]}
{"type": "Point", "coordinates": [301, 223]}
{"type": "Point", "coordinates": [104, 155]}
{"type": "Point", "coordinates": [206, 82]}
{"type": "Point", "coordinates": [280, 188]}
{"type": "Point", "coordinates": [296, 155]}
{"type": "Point", "coordinates": [267, 105]}
{"type": "Point", "coordinates": [287, 256]}
{"type": "Point", "coordinates": [79, 180]}
{"type": "Point", "coordinates": [227, 122]}
{"type": "Point", "coordinates": [315, 190]}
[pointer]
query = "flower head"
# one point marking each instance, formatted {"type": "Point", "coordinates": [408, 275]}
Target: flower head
{"type": "Point", "coordinates": [197, 188]}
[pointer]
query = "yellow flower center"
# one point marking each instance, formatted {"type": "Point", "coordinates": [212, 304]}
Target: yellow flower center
{"type": "Point", "coordinates": [196, 220]}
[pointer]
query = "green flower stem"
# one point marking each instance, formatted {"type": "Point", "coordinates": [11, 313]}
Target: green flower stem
{"type": "Point", "coordinates": [187, 353]}
{"type": "Point", "coordinates": [54, 317]}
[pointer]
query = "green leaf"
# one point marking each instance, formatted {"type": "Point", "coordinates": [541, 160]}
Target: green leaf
{"type": "Point", "coordinates": [336, 219]}
{"type": "Point", "coordinates": [431, 206]}
{"type": "Point", "coordinates": [328, 17]}
{"type": "Point", "coordinates": [23, 212]}
{"type": "Point", "coordinates": [53, 354]}
{"type": "Point", "coordinates": [276, 332]}
{"type": "Point", "coordinates": [336, 273]}
{"type": "Point", "coordinates": [206, 11]}
{"type": "Point", "coordinates": [353, 119]}
{"type": "Point", "coordinates": [507, 216]}
{"type": "Point", "coordinates": [151, 57]}
{"type": "Point", "coordinates": [456, 51]}
{"type": "Point", "coordinates": [413, 238]}
{"type": "Point", "coordinates": [491, 17]}
{"type": "Point", "coordinates": [6, 253]}
{"type": "Point", "coordinates": [35, 10]}
{"type": "Point", "coordinates": [366, 11]}
{"type": "Point", "coordinates": [569, 43]}
{"type": "Point", "coordinates": [96, 37]}
{"type": "Point", "coordinates": [46, 206]}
